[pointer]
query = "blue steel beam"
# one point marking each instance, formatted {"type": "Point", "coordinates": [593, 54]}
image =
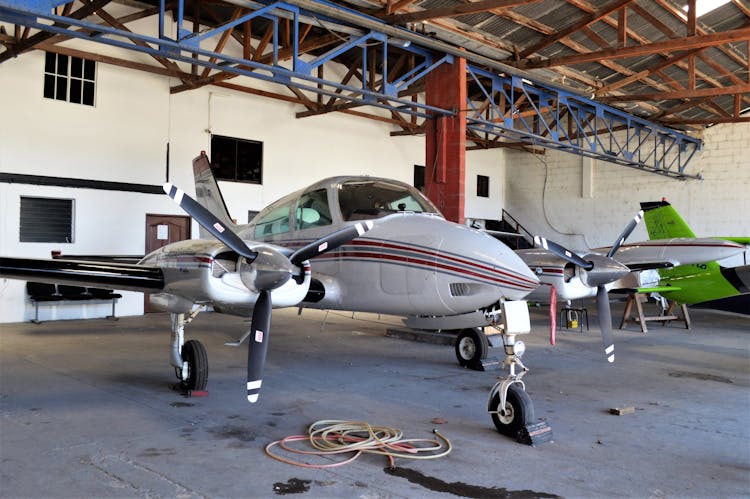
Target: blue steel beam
{"type": "Point", "coordinates": [188, 49]}
{"type": "Point", "coordinates": [513, 107]}
{"type": "Point", "coordinates": [516, 108]}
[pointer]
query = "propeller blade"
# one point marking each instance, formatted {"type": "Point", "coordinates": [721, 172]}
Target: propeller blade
{"type": "Point", "coordinates": [625, 233]}
{"type": "Point", "coordinates": [258, 345]}
{"type": "Point", "coordinates": [562, 252]}
{"type": "Point", "coordinates": [330, 242]}
{"type": "Point", "coordinates": [605, 322]}
{"type": "Point", "coordinates": [209, 222]}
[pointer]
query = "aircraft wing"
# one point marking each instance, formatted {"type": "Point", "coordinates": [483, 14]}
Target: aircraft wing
{"type": "Point", "coordinates": [665, 253]}
{"type": "Point", "coordinates": [130, 277]}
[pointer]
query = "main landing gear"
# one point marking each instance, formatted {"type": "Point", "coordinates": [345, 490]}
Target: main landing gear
{"type": "Point", "coordinates": [188, 358]}
{"type": "Point", "coordinates": [471, 348]}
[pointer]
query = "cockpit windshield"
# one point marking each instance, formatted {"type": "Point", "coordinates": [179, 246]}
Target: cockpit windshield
{"type": "Point", "coordinates": [366, 199]}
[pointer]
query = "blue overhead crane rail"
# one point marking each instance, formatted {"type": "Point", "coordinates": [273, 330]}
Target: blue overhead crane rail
{"type": "Point", "coordinates": [550, 117]}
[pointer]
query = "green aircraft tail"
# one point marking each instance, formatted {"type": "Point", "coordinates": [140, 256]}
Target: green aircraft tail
{"type": "Point", "coordinates": [693, 283]}
{"type": "Point", "coordinates": [663, 221]}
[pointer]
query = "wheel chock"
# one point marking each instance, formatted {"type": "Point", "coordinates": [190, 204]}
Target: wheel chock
{"type": "Point", "coordinates": [535, 434]}
{"type": "Point", "coordinates": [179, 387]}
{"type": "Point", "coordinates": [619, 411]}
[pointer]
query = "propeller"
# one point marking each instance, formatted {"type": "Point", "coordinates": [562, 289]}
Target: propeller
{"type": "Point", "coordinates": [208, 221]}
{"type": "Point", "coordinates": [598, 271]}
{"type": "Point", "coordinates": [625, 233]}
{"type": "Point", "coordinates": [261, 270]}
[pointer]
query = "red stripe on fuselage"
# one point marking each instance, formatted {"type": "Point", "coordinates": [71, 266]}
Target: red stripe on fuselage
{"type": "Point", "coordinates": [434, 265]}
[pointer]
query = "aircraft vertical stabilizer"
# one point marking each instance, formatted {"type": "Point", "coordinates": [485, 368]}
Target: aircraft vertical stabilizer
{"type": "Point", "coordinates": [663, 221]}
{"type": "Point", "coordinates": [209, 195]}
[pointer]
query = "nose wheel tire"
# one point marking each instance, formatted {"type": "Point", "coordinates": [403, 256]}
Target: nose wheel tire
{"type": "Point", "coordinates": [519, 411]}
{"type": "Point", "coordinates": [471, 347]}
{"type": "Point", "coordinates": [194, 354]}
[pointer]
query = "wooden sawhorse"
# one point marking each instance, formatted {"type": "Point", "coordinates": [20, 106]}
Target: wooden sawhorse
{"type": "Point", "coordinates": [668, 315]}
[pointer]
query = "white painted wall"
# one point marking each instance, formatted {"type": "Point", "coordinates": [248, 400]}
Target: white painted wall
{"type": "Point", "coordinates": [581, 196]}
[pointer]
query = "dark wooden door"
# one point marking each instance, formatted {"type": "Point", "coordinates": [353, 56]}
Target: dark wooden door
{"type": "Point", "coordinates": [160, 231]}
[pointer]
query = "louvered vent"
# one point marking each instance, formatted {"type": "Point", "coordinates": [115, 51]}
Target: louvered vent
{"type": "Point", "coordinates": [459, 289]}
{"type": "Point", "coordinates": [46, 220]}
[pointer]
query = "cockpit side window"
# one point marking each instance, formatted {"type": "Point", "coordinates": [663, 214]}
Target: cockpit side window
{"type": "Point", "coordinates": [312, 210]}
{"type": "Point", "coordinates": [274, 222]}
{"type": "Point", "coordinates": [361, 200]}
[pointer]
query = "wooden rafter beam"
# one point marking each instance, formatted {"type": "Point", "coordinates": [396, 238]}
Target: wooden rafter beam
{"type": "Point", "coordinates": [306, 46]}
{"type": "Point", "coordinates": [29, 43]}
{"type": "Point", "coordinates": [457, 10]}
{"type": "Point", "coordinates": [593, 17]}
{"type": "Point", "coordinates": [680, 94]}
{"type": "Point", "coordinates": [223, 40]}
{"type": "Point", "coordinates": [674, 59]}
{"type": "Point", "coordinates": [683, 106]}
{"type": "Point", "coordinates": [686, 43]}
{"type": "Point", "coordinates": [396, 6]}
{"type": "Point", "coordinates": [114, 61]}
{"type": "Point", "coordinates": [706, 121]}
{"type": "Point", "coordinates": [115, 23]}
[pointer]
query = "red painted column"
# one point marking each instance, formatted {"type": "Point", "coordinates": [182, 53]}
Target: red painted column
{"type": "Point", "coordinates": [445, 157]}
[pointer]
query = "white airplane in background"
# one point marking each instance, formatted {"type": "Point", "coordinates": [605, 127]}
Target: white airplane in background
{"type": "Point", "coordinates": [564, 274]}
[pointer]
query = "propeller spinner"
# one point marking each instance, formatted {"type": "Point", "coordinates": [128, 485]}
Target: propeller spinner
{"type": "Point", "coordinates": [261, 270]}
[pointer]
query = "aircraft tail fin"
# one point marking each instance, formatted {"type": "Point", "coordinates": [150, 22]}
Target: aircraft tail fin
{"type": "Point", "coordinates": [208, 193]}
{"type": "Point", "coordinates": [663, 221]}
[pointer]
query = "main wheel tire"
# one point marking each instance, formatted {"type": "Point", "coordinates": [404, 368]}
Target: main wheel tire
{"type": "Point", "coordinates": [471, 347]}
{"type": "Point", "coordinates": [194, 354]}
{"type": "Point", "coordinates": [519, 411]}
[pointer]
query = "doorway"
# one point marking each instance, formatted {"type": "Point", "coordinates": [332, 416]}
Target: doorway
{"type": "Point", "coordinates": [160, 231]}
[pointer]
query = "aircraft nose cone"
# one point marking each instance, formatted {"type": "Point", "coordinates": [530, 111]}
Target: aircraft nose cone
{"type": "Point", "coordinates": [605, 270]}
{"type": "Point", "coordinates": [268, 271]}
{"type": "Point", "coordinates": [500, 264]}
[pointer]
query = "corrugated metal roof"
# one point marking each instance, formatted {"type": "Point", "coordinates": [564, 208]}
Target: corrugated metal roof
{"type": "Point", "coordinates": [526, 26]}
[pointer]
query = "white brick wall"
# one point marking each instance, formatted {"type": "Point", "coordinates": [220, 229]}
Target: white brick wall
{"type": "Point", "coordinates": [717, 205]}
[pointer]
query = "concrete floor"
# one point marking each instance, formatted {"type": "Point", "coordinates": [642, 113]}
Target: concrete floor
{"type": "Point", "coordinates": [87, 411]}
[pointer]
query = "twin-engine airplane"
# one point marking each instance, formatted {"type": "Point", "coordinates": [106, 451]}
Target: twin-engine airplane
{"type": "Point", "coordinates": [568, 276]}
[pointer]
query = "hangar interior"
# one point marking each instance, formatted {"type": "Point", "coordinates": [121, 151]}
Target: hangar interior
{"type": "Point", "coordinates": [574, 113]}
{"type": "Point", "coordinates": [144, 124]}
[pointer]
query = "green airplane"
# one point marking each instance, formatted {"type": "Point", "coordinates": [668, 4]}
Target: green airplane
{"type": "Point", "coordinates": [705, 285]}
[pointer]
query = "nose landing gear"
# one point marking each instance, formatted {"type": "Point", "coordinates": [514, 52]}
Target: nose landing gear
{"type": "Point", "coordinates": [509, 405]}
